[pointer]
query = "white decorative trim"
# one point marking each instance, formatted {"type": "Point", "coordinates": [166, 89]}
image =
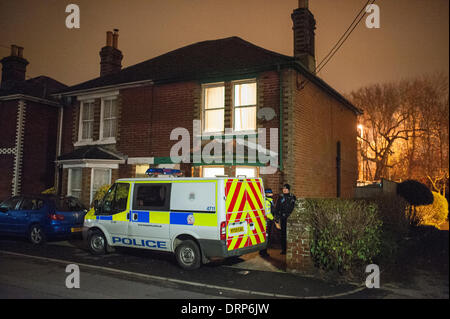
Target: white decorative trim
{"type": "Point", "coordinates": [97, 95]}
{"type": "Point", "coordinates": [140, 160]}
{"type": "Point", "coordinates": [29, 98]}
{"type": "Point", "coordinates": [20, 130]}
{"type": "Point", "coordinates": [91, 165]}
{"type": "Point", "coordinates": [8, 151]}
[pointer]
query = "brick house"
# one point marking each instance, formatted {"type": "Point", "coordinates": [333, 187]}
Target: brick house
{"type": "Point", "coordinates": [29, 128]}
{"type": "Point", "coordinates": [120, 124]}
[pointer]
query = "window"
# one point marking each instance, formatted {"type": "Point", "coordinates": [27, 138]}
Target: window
{"type": "Point", "coordinates": [213, 171]}
{"type": "Point", "coordinates": [213, 108]}
{"type": "Point", "coordinates": [249, 172]}
{"type": "Point", "coordinates": [99, 177]}
{"type": "Point", "coordinates": [244, 100]}
{"type": "Point", "coordinates": [68, 204]}
{"type": "Point", "coordinates": [31, 204]}
{"type": "Point", "coordinates": [115, 200]}
{"type": "Point", "coordinates": [9, 204]}
{"type": "Point", "coordinates": [141, 169]}
{"type": "Point", "coordinates": [74, 187]}
{"type": "Point", "coordinates": [109, 118]}
{"type": "Point", "coordinates": [86, 120]}
{"type": "Point", "coordinates": [152, 197]}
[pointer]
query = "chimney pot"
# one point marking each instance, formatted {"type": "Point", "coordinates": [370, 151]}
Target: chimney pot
{"type": "Point", "coordinates": [20, 52]}
{"type": "Point", "coordinates": [13, 50]}
{"type": "Point", "coordinates": [109, 38]}
{"type": "Point", "coordinates": [115, 38]}
{"type": "Point", "coordinates": [303, 4]}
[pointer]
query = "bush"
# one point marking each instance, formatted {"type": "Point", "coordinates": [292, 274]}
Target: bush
{"type": "Point", "coordinates": [50, 190]}
{"type": "Point", "coordinates": [100, 193]}
{"type": "Point", "coordinates": [434, 214]}
{"type": "Point", "coordinates": [344, 233]}
{"type": "Point", "coordinates": [415, 193]}
{"type": "Point", "coordinates": [393, 212]}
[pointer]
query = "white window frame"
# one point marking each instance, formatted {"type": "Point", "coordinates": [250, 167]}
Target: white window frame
{"type": "Point", "coordinates": [91, 190]}
{"type": "Point", "coordinates": [248, 167]}
{"type": "Point", "coordinates": [80, 124]}
{"type": "Point", "coordinates": [108, 140]}
{"type": "Point", "coordinates": [234, 107]}
{"type": "Point", "coordinates": [69, 181]}
{"type": "Point", "coordinates": [212, 166]}
{"type": "Point", "coordinates": [204, 87]}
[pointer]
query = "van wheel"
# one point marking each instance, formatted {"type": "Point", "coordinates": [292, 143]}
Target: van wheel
{"type": "Point", "coordinates": [36, 235]}
{"type": "Point", "coordinates": [97, 242]}
{"type": "Point", "coordinates": [188, 255]}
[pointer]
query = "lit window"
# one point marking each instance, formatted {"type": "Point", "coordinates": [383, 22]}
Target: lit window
{"type": "Point", "coordinates": [245, 106]}
{"type": "Point", "coordinates": [213, 108]}
{"type": "Point", "coordinates": [74, 181]}
{"type": "Point", "coordinates": [141, 169]}
{"type": "Point", "coordinates": [86, 120]}
{"type": "Point", "coordinates": [213, 171]}
{"type": "Point", "coordinates": [109, 118]}
{"type": "Point", "coordinates": [248, 172]}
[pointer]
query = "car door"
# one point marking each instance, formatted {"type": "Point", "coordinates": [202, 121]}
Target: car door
{"type": "Point", "coordinates": [150, 215]}
{"type": "Point", "coordinates": [113, 213]}
{"type": "Point", "coordinates": [7, 212]}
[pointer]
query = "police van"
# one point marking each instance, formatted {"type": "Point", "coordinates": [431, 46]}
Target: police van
{"type": "Point", "coordinates": [194, 218]}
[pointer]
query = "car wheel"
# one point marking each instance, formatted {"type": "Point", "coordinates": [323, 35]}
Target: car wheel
{"type": "Point", "coordinates": [36, 235]}
{"type": "Point", "coordinates": [188, 255]}
{"type": "Point", "coordinates": [97, 243]}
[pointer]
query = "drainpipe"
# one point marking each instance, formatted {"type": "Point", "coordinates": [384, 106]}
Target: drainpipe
{"type": "Point", "coordinates": [280, 135]}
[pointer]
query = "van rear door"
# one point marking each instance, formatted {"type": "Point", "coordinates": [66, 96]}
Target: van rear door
{"type": "Point", "coordinates": [245, 224]}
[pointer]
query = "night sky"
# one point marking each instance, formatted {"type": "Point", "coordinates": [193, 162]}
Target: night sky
{"type": "Point", "coordinates": [412, 40]}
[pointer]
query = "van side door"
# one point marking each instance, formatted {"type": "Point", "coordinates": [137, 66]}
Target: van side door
{"type": "Point", "coordinates": [150, 215]}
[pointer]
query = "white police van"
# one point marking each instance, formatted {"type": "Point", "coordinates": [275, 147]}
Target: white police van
{"type": "Point", "coordinates": [194, 218]}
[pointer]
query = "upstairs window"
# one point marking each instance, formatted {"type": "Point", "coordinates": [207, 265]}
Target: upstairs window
{"type": "Point", "coordinates": [109, 118]}
{"type": "Point", "coordinates": [244, 100]}
{"type": "Point", "coordinates": [86, 120]}
{"type": "Point", "coordinates": [213, 108]}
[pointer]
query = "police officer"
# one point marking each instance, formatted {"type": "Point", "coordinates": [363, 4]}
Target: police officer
{"type": "Point", "coordinates": [269, 219]}
{"type": "Point", "coordinates": [283, 209]}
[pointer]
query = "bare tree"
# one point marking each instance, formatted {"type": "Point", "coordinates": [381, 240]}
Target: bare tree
{"type": "Point", "coordinates": [405, 129]}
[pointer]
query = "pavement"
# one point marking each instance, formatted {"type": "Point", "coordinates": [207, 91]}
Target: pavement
{"type": "Point", "coordinates": [248, 277]}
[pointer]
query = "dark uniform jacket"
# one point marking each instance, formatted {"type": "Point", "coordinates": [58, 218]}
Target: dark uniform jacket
{"type": "Point", "coordinates": [285, 205]}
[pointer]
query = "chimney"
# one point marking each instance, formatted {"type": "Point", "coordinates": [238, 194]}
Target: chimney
{"type": "Point", "coordinates": [110, 55]}
{"type": "Point", "coordinates": [13, 67]}
{"type": "Point", "coordinates": [304, 34]}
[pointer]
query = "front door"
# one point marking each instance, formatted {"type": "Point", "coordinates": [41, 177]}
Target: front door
{"type": "Point", "coordinates": [150, 215]}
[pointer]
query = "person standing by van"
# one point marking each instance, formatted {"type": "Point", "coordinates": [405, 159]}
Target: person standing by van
{"type": "Point", "coordinates": [269, 208]}
{"type": "Point", "coordinates": [283, 209]}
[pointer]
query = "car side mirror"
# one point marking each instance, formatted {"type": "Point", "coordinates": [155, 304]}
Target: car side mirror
{"type": "Point", "coordinates": [98, 207]}
{"type": "Point", "coordinates": [3, 209]}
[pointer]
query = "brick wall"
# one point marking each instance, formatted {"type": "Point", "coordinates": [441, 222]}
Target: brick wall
{"type": "Point", "coordinates": [298, 255]}
{"type": "Point", "coordinates": [316, 122]}
{"type": "Point", "coordinates": [8, 117]}
{"type": "Point", "coordinates": [39, 148]}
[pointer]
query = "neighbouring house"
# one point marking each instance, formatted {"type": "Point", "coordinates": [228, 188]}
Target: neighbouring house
{"type": "Point", "coordinates": [29, 128]}
{"type": "Point", "coordinates": [120, 123]}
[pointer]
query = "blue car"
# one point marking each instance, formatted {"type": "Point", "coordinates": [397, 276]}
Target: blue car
{"type": "Point", "coordinates": [41, 217]}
